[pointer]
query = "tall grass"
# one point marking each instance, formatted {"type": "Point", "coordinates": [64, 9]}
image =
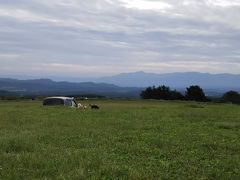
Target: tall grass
{"type": "Point", "coordinates": [124, 140]}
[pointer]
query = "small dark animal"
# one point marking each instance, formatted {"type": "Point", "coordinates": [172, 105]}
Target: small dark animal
{"type": "Point", "coordinates": [94, 106]}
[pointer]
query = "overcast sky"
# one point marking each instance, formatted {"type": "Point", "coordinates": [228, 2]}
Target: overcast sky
{"type": "Point", "coordinates": [103, 37]}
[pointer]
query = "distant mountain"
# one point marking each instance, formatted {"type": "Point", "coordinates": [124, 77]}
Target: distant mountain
{"type": "Point", "coordinates": [124, 85]}
{"type": "Point", "coordinates": [7, 93]}
{"type": "Point", "coordinates": [175, 80]}
{"type": "Point", "coordinates": [49, 87]}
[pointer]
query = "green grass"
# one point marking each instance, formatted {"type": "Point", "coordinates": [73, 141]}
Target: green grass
{"type": "Point", "coordinates": [124, 140]}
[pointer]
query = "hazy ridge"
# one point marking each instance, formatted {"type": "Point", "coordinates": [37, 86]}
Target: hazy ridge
{"type": "Point", "coordinates": [125, 84]}
{"type": "Point", "coordinates": [175, 80]}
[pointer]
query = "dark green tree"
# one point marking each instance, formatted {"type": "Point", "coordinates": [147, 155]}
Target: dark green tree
{"type": "Point", "coordinates": [161, 92]}
{"type": "Point", "coordinates": [232, 96]}
{"type": "Point", "coordinates": [195, 93]}
{"type": "Point", "coordinates": [175, 95]}
{"type": "Point", "coordinates": [147, 93]}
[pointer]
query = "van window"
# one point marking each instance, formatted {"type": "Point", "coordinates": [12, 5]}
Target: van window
{"type": "Point", "coordinates": [68, 102]}
{"type": "Point", "coordinates": [53, 102]}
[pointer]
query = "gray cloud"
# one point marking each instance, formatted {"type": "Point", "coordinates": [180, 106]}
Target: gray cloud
{"type": "Point", "coordinates": [102, 37]}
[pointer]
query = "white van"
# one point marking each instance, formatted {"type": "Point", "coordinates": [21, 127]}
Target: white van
{"type": "Point", "coordinates": [55, 101]}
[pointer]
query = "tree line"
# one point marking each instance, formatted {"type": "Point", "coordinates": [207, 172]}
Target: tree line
{"type": "Point", "coordinates": [193, 93]}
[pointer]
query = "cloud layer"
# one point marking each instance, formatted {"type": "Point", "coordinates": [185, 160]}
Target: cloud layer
{"type": "Point", "coordinates": [101, 37]}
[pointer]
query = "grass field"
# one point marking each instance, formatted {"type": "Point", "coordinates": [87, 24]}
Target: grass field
{"type": "Point", "coordinates": [124, 140]}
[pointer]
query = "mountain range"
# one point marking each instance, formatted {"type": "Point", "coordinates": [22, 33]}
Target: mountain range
{"type": "Point", "coordinates": [125, 84]}
{"type": "Point", "coordinates": [174, 80]}
{"type": "Point", "coordinates": [49, 87]}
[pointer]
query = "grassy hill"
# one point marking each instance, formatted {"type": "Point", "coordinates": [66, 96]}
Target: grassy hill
{"type": "Point", "coordinates": [124, 139]}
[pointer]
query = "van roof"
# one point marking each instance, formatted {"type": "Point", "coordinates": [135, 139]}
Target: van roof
{"type": "Point", "coordinates": [60, 97]}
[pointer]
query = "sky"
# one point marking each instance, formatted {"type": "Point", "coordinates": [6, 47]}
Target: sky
{"type": "Point", "coordinates": [91, 38]}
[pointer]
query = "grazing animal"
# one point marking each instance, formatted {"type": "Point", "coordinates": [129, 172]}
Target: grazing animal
{"type": "Point", "coordinates": [94, 106]}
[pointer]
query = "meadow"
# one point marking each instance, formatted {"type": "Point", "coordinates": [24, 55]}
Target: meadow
{"type": "Point", "coordinates": [122, 140]}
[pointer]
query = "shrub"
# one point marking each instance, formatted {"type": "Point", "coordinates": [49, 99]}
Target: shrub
{"type": "Point", "coordinates": [161, 92]}
{"type": "Point", "coordinates": [195, 93]}
{"type": "Point", "coordinates": [231, 96]}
